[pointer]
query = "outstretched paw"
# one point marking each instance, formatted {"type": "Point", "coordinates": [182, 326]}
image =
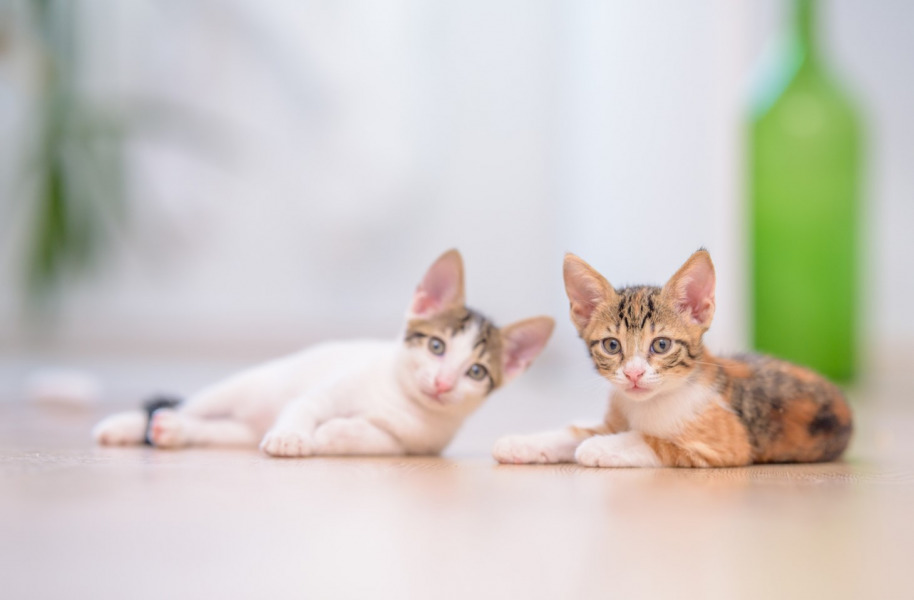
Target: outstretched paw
{"type": "Point", "coordinates": [618, 450]}
{"type": "Point", "coordinates": [287, 443]}
{"type": "Point", "coordinates": [167, 429]}
{"type": "Point", "coordinates": [529, 449]}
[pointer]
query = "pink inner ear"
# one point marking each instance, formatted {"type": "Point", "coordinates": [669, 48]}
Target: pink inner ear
{"type": "Point", "coordinates": [423, 303]}
{"type": "Point", "coordinates": [697, 293]}
{"type": "Point", "coordinates": [524, 342]}
{"type": "Point", "coordinates": [517, 357]}
{"type": "Point", "coordinates": [585, 294]}
{"type": "Point", "coordinates": [442, 286]}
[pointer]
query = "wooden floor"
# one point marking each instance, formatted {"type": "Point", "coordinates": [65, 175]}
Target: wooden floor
{"type": "Point", "coordinates": [78, 521]}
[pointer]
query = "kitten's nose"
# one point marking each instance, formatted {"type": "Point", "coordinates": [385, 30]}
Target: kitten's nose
{"type": "Point", "coordinates": [442, 385]}
{"type": "Point", "coordinates": [633, 372]}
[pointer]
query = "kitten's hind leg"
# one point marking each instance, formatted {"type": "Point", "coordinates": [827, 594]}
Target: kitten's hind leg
{"type": "Point", "coordinates": [121, 429]}
{"type": "Point", "coordinates": [170, 428]}
{"type": "Point", "coordinates": [354, 436]}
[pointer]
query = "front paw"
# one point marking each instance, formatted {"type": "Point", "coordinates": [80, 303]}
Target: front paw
{"type": "Point", "coordinates": [524, 450]}
{"type": "Point", "coordinates": [287, 443]}
{"type": "Point", "coordinates": [619, 450]}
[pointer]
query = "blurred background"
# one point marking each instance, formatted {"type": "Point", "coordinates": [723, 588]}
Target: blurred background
{"type": "Point", "coordinates": [200, 184]}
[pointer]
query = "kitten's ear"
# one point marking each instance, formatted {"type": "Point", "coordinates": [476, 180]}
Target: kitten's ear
{"type": "Point", "coordinates": [691, 289]}
{"type": "Point", "coordinates": [441, 288]}
{"type": "Point", "coordinates": [522, 342]}
{"type": "Point", "coordinates": [586, 289]}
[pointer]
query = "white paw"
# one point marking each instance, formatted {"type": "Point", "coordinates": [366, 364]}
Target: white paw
{"type": "Point", "coordinates": [618, 450]}
{"type": "Point", "coordinates": [527, 449]}
{"type": "Point", "coordinates": [287, 443]}
{"type": "Point", "coordinates": [122, 429]}
{"type": "Point", "coordinates": [167, 429]}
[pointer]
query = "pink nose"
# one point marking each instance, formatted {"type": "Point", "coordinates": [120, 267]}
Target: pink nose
{"type": "Point", "coordinates": [442, 386]}
{"type": "Point", "coordinates": [633, 373]}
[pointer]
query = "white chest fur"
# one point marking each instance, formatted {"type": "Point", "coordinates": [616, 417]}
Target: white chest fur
{"type": "Point", "coordinates": [668, 413]}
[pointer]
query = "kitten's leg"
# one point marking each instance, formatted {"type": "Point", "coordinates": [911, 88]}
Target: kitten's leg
{"type": "Point", "coordinates": [121, 429]}
{"type": "Point", "coordinates": [720, 452]}
{"type": "Point", "coordinates": [225, 397]}
{"type": "Point", "coordinates": [171, 428]}
{"type": "Point", "coordinates": [627, 449]}
{"type": "Point", "coordinates": [354, 436]}
{"type": "Point", "coordinates": [254, 393]}
{"type": "Point", "coordinates": [543, 448]}
{"type": "Point", "coordinates": [293, 432]}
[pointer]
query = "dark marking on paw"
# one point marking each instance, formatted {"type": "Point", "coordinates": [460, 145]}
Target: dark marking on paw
{"type": "Point", "coordinates": [154, 404]}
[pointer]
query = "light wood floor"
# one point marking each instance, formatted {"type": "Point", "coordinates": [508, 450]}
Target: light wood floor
{"type": "Point", "coordinates": [78, 521]}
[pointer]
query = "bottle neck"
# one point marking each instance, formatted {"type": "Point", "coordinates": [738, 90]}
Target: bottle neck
{"type": "Point", "coordinates": [804, 31]}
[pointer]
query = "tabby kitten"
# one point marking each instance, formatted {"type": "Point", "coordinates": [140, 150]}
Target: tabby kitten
{"type": "Point", "coordinates": [674, 404]}
{"type": "Point", "coordinates": [407, 396]}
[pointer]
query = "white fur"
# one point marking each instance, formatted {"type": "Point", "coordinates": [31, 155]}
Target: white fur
{"type": "Point", "coordinates": [626, 449]}
{"type": "Point", "coordinates": [538, 448]}
{"type": "Point", "coordinates": [668, 411]}
{"type": "Point", "coordinates": [170, 428]}
{"type": "Point", "coordinates": [664, 411]}
{"type": "Point", "coordinates": [378, 396]}
{"type": "Point", "coordinates": [289, 401]}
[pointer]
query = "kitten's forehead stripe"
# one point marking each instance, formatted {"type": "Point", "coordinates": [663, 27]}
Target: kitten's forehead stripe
{"type": "Point", "coordinates": [465, 320]}
{"type": "Point", "coordinates": [636, 306]}
{"type": "Point", "coordinates": [483, 335]}
{"type": "Point", "coordinates": [649, 312]}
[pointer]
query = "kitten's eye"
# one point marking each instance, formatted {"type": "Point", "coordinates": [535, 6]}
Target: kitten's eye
{"type": "Point", "coordinates": [477, 372]}
{"type": "Point", "coordinates": [661, 345]}
{"type": "Point", "coordinates": [612, 346]}
{"type": "Point", "coordinates": [436, 346]}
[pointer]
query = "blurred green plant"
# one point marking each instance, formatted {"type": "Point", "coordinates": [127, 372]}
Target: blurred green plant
{"type": "Point", "coordinates": [75, 170]}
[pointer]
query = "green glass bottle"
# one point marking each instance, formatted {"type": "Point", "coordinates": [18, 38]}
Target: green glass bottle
{"type": "Point", "coordinates": [804, 185]}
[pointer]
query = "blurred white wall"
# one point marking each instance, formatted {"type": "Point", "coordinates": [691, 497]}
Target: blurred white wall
{"type": "Point", "coordinates": [345, 145]}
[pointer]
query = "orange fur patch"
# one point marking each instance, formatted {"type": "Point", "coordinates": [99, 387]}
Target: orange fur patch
{"type": "Point", "coordinates": [796, 443]}
{"type": "Point", "coordinates": [582, 433]}
{"type": "Point", "coordinates": [716, 438]}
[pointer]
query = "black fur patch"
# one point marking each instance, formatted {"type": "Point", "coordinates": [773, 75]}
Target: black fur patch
{"type": "Point", "coordinates": [154, 404]}
{"type": "Point", "coordinates": [649, 312]}
{"type": "Point", "coordinates": [762, 401]}
{"type": "Point", "coordinates": [758, 402]}
{"type": "Point", "coordinates": [825, 422]}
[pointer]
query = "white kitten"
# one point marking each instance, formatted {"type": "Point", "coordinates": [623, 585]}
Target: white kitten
{"type": "Point", "coordinates": [407, 396]}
